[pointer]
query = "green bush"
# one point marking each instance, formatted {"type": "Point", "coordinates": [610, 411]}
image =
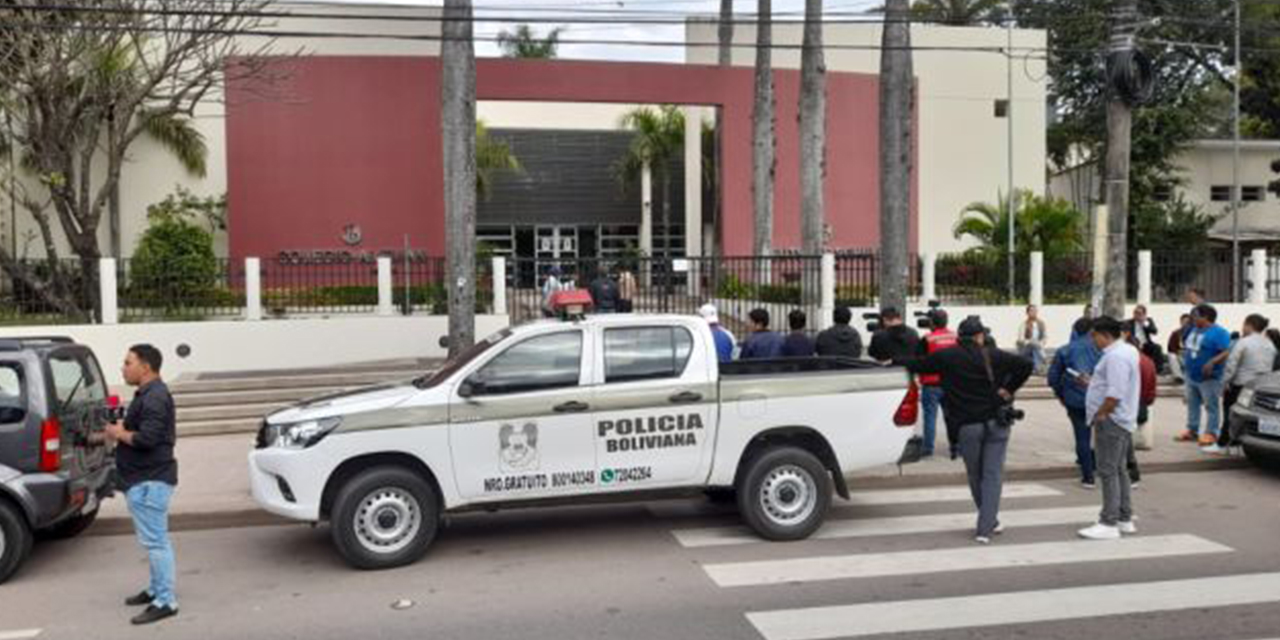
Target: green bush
{"type": "Point", "coordinates": [174, 263]}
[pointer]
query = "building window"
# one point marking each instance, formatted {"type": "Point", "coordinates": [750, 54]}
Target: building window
{"type": "Point", "coordinates": [1162, 193]}
{"type": "Point", "coordinates": [1252, 194]}
{"type": "Point", "coordinates": [1002, 108]}
{"type": "Point", "coordinates": [1220, 193]}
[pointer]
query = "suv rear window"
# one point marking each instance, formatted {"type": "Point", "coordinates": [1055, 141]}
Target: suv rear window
{"type": "Point", "coordinates": [13, 393]}
{"type": "Point", "coordinates": [74, 380]}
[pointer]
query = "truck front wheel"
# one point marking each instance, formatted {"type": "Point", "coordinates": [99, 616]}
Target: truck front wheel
{"type": "Point", "coordinates": [784, 494]}
{"type": "Point", "coordinates": [384, 517]}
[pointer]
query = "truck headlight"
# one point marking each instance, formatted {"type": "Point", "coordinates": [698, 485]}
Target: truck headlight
{"type": "Point", "coordinates": [1245, 399]}
{"type": "Point", "coordinates": [301, 435]}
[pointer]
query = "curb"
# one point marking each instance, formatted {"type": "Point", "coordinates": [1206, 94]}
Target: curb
{"type": "Point", "coordinates": [235, 519]}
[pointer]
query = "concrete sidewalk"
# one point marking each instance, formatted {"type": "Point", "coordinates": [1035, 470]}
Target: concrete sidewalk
{"type": "Point", "coordinates": [214, 486]}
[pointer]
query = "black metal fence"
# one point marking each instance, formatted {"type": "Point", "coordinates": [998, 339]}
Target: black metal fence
{"type": "Point", "coordinates": [858, 278]}
{"type": "Point", "coordinates": [1068, 277]}
{"type": "Point", "coordinates": [777, 284]}
{"type": "Point", "coordinates": [981, 278]}
{"type": "Point", "coordinates": [180, 290]}
{"type": "Point", "coordinates": [49, 292]}
{"type": "Point", "coordinates": [1174, 272]}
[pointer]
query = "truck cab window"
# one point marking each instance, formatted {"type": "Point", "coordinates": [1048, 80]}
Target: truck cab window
{"type": "Point", "coordinates": [546, 362]}
{"type": "Point", "coordinates": [646, 353]}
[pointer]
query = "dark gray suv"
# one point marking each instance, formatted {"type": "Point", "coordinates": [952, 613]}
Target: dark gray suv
{"type": "Point", "coordinates": [53, 475]}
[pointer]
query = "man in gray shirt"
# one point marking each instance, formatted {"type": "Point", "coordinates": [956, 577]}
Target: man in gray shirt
{"type": "Point", "coordinates": [1111, 405]}
{"type": "Point", "coordinates": [1252, 357]}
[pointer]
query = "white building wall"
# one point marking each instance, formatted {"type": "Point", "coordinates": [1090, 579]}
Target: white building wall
{"type": "Point", "coordinates": [963, 154]}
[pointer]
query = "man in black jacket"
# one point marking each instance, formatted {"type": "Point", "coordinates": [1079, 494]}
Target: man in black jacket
{"type": "Point", "coordinates": [977, 381]}
{"type": "Point", "coordinates": [894, 340]}
{"type": "Point", "coordinates": [841, 339]}
{"type": "Point", "coordinates": [147, 473]}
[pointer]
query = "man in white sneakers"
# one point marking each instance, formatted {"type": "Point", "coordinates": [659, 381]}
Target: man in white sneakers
{"type": "Point", "coordinates": [1111, 406]}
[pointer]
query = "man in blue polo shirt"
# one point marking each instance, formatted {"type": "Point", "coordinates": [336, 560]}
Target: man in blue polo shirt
{"type": "Point", "coordinates": [1204, 351]}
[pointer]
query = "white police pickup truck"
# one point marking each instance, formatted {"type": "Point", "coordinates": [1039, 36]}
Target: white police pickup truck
{"type": "Point", "coordinates": [612, 406]}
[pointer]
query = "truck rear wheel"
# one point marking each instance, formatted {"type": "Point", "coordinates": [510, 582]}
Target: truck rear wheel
{"type": "Point", "coordinates": [784, 494]}
{"type": "Point", "coordinates": [15, 540]}
{"type": "Point", "coordinates": [384, 517]}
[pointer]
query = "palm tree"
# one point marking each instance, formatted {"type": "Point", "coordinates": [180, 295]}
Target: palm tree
{"type": "Point", "coordinates": [458, 130]}
{"type": "Point", "coordinates": [763, 151]}
{"type": "Point", "coordinates": [896, 99]}
{"type": "Point", "coordinates": [813, 129]}
{"type": "Point", "coordinates": [1049, 225]}
{"type": "Point", "coordinates": [658, 140]}
{"type": "Point", "coordinates": [960, 13]}
{"type": "Point", "coordinates": [523, 43]}
{"type": "Point", "coordinates": [492, 156]}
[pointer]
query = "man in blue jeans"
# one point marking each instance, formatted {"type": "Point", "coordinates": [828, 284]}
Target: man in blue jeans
{"type": "Point", "coordinates": [1069, 378]}
{"type": "Point", "coordinates": [1205, 350]}
{"type": "Point", "coordinates": [147, 473]}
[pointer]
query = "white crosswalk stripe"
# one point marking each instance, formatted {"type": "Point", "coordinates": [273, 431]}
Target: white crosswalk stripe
{"type": "Point", "coordinates": [21, 634]}
{"type": "Point", "coordinates": [1013, 518]}
{"type": "Point", "coordinates": [687, 508]}
{"type": "Point", "coordinates": [738, 574]}
{"type": "Point", "coordinates": [941, 614]}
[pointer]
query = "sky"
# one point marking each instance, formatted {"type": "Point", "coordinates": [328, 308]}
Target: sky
{"type": "Point", "coordinates": [782, 9]}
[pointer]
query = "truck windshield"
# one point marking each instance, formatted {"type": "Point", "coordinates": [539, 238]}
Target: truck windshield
{"type": "Point", "coordinates": [459, 361]}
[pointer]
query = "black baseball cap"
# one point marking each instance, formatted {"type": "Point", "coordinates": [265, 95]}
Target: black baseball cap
{"type": "Point", "coordinates": [971, 326]}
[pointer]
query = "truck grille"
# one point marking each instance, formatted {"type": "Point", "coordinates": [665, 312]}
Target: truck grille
{"type": "Point", "coordinates": [1266, 401]}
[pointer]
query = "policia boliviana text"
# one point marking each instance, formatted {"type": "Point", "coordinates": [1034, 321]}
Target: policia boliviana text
{"type": "Point", "coordinates": [978, 383]}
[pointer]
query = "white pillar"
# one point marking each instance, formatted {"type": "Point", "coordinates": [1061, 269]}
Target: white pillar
{"type": "Point", "coordinates": [1037, 278]}
{"type": "Point", "coordinates": [828, 291]}
{"type": "Point", "coordinates": [1144, 277]}
{"type": "Point", "coordinates": [930, 277]}
{"type": "Point", "coordinates": [693, 181]}
{"type": "Point", "coordinates": [646, 210]}
{"type": "Point", "coordinates": [252, 289]}
{"type": "Point", "coordinates": [385, 308]}
{"type": "Point", "coordinates": [107, 291]}
{"type": "Point", "coordinates": [499, 285]}
{"type": "Point", "coordinates": [1099, 259]}
{"type": "Point", "coordinates": [1258, 294]}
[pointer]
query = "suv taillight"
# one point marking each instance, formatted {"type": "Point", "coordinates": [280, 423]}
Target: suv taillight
{"type": "Point", "coordinates": [909, 410]}
{"type": "Point", "coordinates": [50, 445]}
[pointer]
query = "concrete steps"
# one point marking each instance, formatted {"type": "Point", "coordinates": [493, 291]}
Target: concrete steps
{"type": "Point", "coordinates": [226, 403]}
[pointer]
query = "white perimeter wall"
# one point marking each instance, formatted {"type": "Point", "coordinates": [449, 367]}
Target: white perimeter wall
{"type": "Point", "coordinates": [268, 344]}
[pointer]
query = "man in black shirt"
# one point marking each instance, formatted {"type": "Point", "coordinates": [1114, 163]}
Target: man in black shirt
{"type": "Point", "coordinates": [977, 381]}
{"type": "Point", "coordinates": [841, 339]}
{"type": "Point", "coordinates": [894, 340]}
{"type": "Point", "coordinates": [147, 473]}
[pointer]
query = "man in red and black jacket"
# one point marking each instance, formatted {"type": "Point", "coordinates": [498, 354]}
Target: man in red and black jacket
{"type": "Point", "coordinates": [938, 338]}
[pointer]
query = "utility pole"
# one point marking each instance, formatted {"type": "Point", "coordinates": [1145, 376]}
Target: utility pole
{"type": "Point", "coordinates": [1236, 291]}
{"type": "Point", "coordinates": [1012, 195]}
{"type": "Point", "coordinates": [1119, 129]}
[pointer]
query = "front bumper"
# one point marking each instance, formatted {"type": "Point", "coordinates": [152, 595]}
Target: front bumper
{"type": "Point", "coordinates": [1244, 425]}
{"type": "Point", "coordinates": [288, 482]}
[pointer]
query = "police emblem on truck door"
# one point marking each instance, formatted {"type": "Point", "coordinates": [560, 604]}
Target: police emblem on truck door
{"type": "Point", "coordinates": [518, 447]}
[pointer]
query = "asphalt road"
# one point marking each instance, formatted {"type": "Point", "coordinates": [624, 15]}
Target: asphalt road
{"type": "Point", "coordinates": [1205, 565]}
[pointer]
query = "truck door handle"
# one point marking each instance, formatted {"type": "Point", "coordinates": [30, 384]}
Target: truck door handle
{"type": "Point", "coordinates": [685, 397]}
{"type": "Point", "coordinates": [572, 406]}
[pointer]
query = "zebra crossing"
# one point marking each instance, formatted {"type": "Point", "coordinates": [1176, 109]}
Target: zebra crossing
{"type": "Point", "coordinates": [962, 612]}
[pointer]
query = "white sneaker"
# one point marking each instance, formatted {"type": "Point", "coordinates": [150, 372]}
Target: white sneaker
{"type": "Point", "coordinates": [1127, 527]}
{"type": "Point", "coordinates": [982, 539]}
{"type": "Point", "coordinates": [1100, 531]}
{"type": "Point", "coordinates": [999, 529]}
{"type": "Point", "coordinates": [1212, 449]}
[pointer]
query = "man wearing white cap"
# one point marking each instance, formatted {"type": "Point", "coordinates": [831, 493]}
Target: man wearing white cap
{"type": "Point", "coordinates": [725, 342]}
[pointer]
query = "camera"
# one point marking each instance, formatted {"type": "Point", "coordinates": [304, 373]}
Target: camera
{"type": "Point", "coordinates": [874, 322]}
{"type": "Point", "coordinates": [111, 414]}
{"type": "Point", "coordinates": [1007, 415]}
{"type": "Point", "coordinates": [928, 320]}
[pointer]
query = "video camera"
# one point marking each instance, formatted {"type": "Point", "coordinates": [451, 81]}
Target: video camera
{"type": "Point", "coordinates": [929, 320]}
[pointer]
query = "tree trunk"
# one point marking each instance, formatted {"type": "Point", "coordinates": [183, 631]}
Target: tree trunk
{"type": "Point", "coordinates": [1119, 128]}
{"type": "Point", "coordinates": [458, 124]}
{"type": "Point", "coordinates": [896, 110]}
{"type": "Point", "coordinates": [762, 133]}
{"type": "Point", "coordinates": [666, 239]}
{"type": "Point", "coordinates": [813, 147]}
{"type": "Point", "coordinates": [726, 32]}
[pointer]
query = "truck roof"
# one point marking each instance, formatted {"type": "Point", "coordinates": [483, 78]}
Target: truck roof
{"type": "Point", "coordinates": [34, 343]}
{"type": "Point", "coordinates": [611, 319]}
